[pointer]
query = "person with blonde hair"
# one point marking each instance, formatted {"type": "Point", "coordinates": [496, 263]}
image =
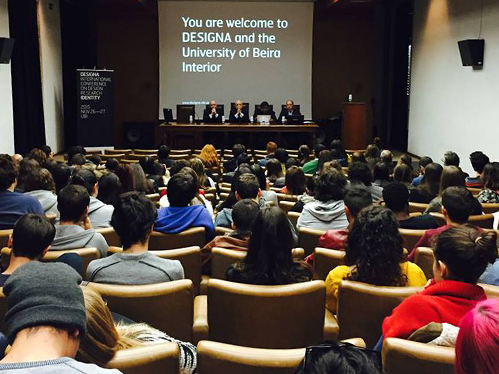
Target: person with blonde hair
{"type": "Point", "coordinates": [205, 181]}
{"type": "Point", "coordinates": [209, 156]}
{"type": "Point", "coordinates": [104, 337]}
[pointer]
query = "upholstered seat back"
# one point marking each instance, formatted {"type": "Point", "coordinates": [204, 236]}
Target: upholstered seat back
{"type": "Point", "coordinates": [195, 236]}
{"type": "Point", "coordinates": [326, 260]}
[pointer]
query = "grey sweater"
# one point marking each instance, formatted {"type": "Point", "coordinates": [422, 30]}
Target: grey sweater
{"type": "Point", "coordinates": [133, 269]}
{"type": "Point", "coordinates": [99, 213]}
{"type": "Point", "coordinates": [47, 199]}
{"type": "Point", "coordinates": [74, 237]}
{"type": "Point", "coordinates": [63, 365]}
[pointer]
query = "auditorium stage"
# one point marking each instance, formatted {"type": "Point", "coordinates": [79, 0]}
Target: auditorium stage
{"type": "Point", "coordinates": [180, 136]}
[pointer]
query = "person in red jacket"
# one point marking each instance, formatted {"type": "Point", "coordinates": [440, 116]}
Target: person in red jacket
{"type": "Point", "coordinates": [461, 256]}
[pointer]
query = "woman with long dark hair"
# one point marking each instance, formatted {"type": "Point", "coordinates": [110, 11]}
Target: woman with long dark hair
{"type": "Point", "coordinates": [490, 182]}
{"type": "Point", "coordinates": [269, 260]}
{"type": "Point", "coordinates": [374, 255]}
{"type": "Point", "coordinates": [430, 185]}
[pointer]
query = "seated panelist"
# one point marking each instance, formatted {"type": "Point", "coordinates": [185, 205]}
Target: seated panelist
{"type": "Point", "coordinates": [210, 115]}
{"type": "Point", "coordinates": [237, 115]}
{"type": "Point", "coordinates": [289, 110]}
{"type": "Point", "coordinates": [265, 109]}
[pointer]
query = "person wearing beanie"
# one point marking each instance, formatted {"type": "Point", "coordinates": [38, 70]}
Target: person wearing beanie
{"type": "Point", "coordinates": [45, 320]}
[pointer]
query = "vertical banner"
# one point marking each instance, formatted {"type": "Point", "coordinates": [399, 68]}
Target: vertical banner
{"type": "Point", "coordinates": [95, 107]}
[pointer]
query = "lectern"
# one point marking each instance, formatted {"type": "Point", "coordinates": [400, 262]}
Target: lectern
{"type": "Point", "coordinates": [354, 131]}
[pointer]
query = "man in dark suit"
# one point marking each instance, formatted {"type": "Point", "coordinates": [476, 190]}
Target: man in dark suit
{"type": "Point", "coordinates": [289, 110]}
{"type": "Point", "coordinates": [210, 115]}
{"type": "Point", "coordinates": [237, 115]}
{"type": "Point", "coordinates": [266, 110]}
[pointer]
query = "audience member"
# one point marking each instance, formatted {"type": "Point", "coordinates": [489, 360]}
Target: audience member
{"type": "Point", "coordinates": [396, 198]}
{"type": "Point", "coordinates": [151, 171]}
{"type": "Point", "coordinates": [269, 260]}
{"type": "Point", "coordinates": [104, 337]}
{"type": "Point", "coordinates": [339, 358]}
{"type": "Point", "coordinates": [112, 164]}
{"type": "Point", "coordinates": [140, 182]}
{"type": "Point", "coordinates": [13, 204]}
{"type": "Point", "coordinates": [45, 321]}
{"type": "Point", "coordinates": [244, 214]}
{"type": "Point", "coordinates": [324, 156]}
{"type": "Point", "coordinates": [209, 157]}
{"type": "Point", "coordinates": [404, 174]}
{"type": "Point", "coordinates": [109, 187]}
{"type": "Point", "coordinates": [48, 152]}
{"type": "Point", "coordinates": [16, 159]}
{"type": "Point", "coordinates": [304, 155]}
{"type": "Point", "coordinates": [270, 149]}
{"type": "Point", "coordinates": [26, 167]}
{"type": "Point", "coordinates": [75, 230]}
{"type": "Point", "coordinates": [478, 161]}
{"type": "Point", "coordinates": [359, 173]}
{"type": "Point", "coordinates": [358, 157]}
{"type": "Point", "coordinates": [247, 186]}
{"type": "Point", "coordinates": [231, 164]}
{"type": "Point", "coordinates": [461, 256]}
{"type": "Point", "coordinates": [372, 155]}
{"type": "Point", "coordinates": [295, 181]}
{"type": "Point", "coordinates": [337, 145]}
{"type": "Point", "coordinates": [423, 162]}
{"type": "Point", "coordinates": [452, 159]}
{"type": "Point", "coordinates": [356, 198]}
{"type": "Point", "coordinates": [451, 176]}
{"type": "Point", "coordinates": [40, 185]}
{"type": "Point", "coordinates": [274, 170]}
{"type": "Point", "coordinates": [374, 255]}
{"type": "Point", "coordinates": [205, 181]}
{"type": "Point", "coordinates": [457, 204]}
{"type": "Point", "coordinates": [61, 174]}
{"type": "Point", "coordinates": [311, 166]}
{"type": "Point", "coordinates": [306, 197]}
{"type": "Point", "coordinates": [133, 221]}
{"type": "Point", "coordinates": [490, 180]}
{"type": "Point", "coordinates": [327, 211]}
{"type": "Point", "coordinates": [164, 156]}
{"type": "Point", "coordinates": [268, 196]}
{"type": "Point", "coordinates": [30, 241]}
{"type": "Point", "coordinates": [387, 158]}
{"type": "Point", "coordinates": [477, 351]}
{"type": "Point", "coordinates": [381, 175]}
{"type": "Point", "coordinates": [77, 160]}
{"type": "Point", "coordinates": [98, 212]}
{"type": "Point", "coordinates": [429, 186]}
{"type": "Point", "coordinates": [179, 216]}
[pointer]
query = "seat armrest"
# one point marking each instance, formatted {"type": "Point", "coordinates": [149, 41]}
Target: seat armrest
{"type": "Point", "coordinates": [203, 288]}
{"type": "Point", "coordinates": [331, 327]}
{"type": "Point", "coordinates": [200, 329]}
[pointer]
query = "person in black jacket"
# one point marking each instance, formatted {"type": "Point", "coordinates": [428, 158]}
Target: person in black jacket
{"type": "Point", "coordinates": [237, 114]}
{"type": "Point", "coordinates": [265, 109]}
{"type": "Point", "coordinates": [210, 115]}
{"type": "Point", "coordinates": [289, 110]}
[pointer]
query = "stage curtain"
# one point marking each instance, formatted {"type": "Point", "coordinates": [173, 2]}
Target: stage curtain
{"type": "Point", "coordinates": [29, 125]}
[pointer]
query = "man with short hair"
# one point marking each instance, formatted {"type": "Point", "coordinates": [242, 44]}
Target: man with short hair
{"type": "Point", "coordinates": [30, 241]}
{"type": "Point", "coordinates": [133, 221]}
{"type": "Point", "coordinates": [478, 160]}
{"type": "Point", "coordinates": [387, 158]}
{"type": "Point", "coordinates": [359, 173]}
{"type": "Point", "coordinates": [452, 159]}
{"type": "Point", "coordinates": [13, 204]}
{"type": "Point", "coordinates": [288, 110]}
{"type": "Point", "coordinates": [211, 115]}
{"type": "Point", "coordinates": [396, 198]}
{"type": "Point", "coordinates": [356, 198]}
{"type": "Point", "coordinates": [238, 114]}
{"type": "Point", "coordinates": [99, 213]}
{"type": "Point", "coordinates": [179, 216]}
{"type": "Point", "coordinates": [271, 148]}
{"type": "Point", "coordinates": [423, 161]}
{"type": "Point", "coordinates": [247, 187]}
{"type": "Point", "coordinates": [231, 164]}
{"type": "Point", "coordinates": [45, 321]}
{"type": "Point", "coordinates": [244, 213]}
{"type": "Point", "coordinates": [311, 166]}
{"type": "Point", "coordinates": [74, 230]}
{"type": "Point", "coordinates": [457, 205]}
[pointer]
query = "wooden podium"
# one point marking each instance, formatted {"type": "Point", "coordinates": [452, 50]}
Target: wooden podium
{"type": "Point", "coordinates": [354, 131]}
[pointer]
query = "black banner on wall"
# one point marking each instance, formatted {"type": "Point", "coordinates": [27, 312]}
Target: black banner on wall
{"type": "Point", "coordinates": [95, 107]}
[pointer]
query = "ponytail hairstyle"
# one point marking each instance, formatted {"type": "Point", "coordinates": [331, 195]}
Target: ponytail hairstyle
{"type": "Point", "coordinates": [466, 252]}
{"type": "Point", "coordinates": [477, 351]}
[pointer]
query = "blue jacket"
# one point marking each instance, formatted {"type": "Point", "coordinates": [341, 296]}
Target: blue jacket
{"type": "Point", "coordinates": [172, 220]}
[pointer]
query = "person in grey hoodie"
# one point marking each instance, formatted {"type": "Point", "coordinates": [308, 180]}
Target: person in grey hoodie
{"type": "Point", "coordinates": [40, 185]}
{"type": "Point", "coordinates": [327, 211]}
{"type": "Point", "coordinates": [99, 213]}
{"type": "Point", "coordinates": [74, 229]}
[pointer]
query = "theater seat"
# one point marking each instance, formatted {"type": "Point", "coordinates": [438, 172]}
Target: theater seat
{"type": "Point", "coordinates": [166, 306]}
{"type": "Point", "coordinates": [111, 237]}
{"type": "Point", "coordinates": [417, 207]}
{"type": "Point", "coordinates": [424, 258]}
{"type": "Point", "coordinates": [363, 307]}
{"type": "Point", "coordinates": [490, 290]}
{"type": "Point", "coordinates": [3, 309]}
{"type": "Point", "coordinates": [150, 359]}
{"type": "Point", "coordinates": [326, 260]}
{"type": "Point", "coordinates": [490, 207]}
{"type": "Point", "coordinates": [408, 357]}
{"type": "Point", "coordinates": [194, 236]}
{"type": "Point", "coordinates": [4, 237]}
{"type": "Point", "coordinates": [411, 237]}
{"type": "Point", "coordinates": [288, 316]}
{"type": "Point", "coordinates": [308, 239]}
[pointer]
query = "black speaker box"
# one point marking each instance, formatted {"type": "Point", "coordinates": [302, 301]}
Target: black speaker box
{"type": "Point", "coordinates": [139, 135]}
{"type": "Point", "coordinates": [471, 51]}
{"type": "Point", "coordinates": [6, 47]}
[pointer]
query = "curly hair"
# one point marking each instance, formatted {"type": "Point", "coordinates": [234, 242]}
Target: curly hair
{"type": "Point", "coordinates": [375, 248]}
{"type": "Point", "coordinates": [209, 156]}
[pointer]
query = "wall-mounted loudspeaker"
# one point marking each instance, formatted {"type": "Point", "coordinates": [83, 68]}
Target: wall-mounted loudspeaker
{"type": "Point", "coordinates": [139, 135]}
{"type": "Point", "coordinates": [6, 47]}
{"type": "Point", "coordinates": [471, 51]}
